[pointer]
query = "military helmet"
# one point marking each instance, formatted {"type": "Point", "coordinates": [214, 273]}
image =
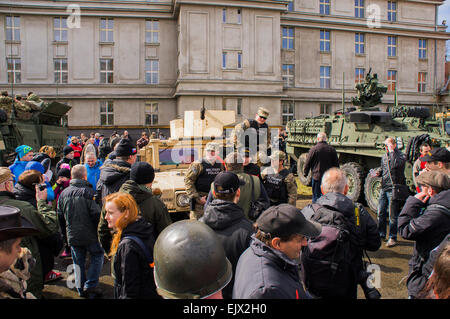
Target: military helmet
{"type": "Point", "coordinates": [190, 261]}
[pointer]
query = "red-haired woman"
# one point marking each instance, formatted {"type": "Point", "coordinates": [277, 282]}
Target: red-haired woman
{"type": "Point", "coordinates": [132, 248]}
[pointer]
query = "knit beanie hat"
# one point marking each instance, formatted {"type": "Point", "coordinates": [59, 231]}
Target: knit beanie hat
{"type": "Point", "coordinates": [64, 172]}
{"type": "Point", "coordinates": [125, 148]}
{"type": "Point", "coordinates": [142, 173]}
{"type": "Point", "coordinates": [36, 166]}
{"type": "Point", "coordinates": [67, 149]}
{"type": "Point", "coordinates": [23, 150]}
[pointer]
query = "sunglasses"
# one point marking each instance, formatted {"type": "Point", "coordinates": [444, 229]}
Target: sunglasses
{"type": "Point", "coordinates": [263, 117]}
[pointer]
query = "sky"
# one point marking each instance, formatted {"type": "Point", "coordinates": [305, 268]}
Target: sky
{"type": "Point", "coordinates": [444, 14]}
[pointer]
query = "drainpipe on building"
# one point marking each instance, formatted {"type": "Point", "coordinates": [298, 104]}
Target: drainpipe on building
{"type": "Point", "coordinates": [435, 56]}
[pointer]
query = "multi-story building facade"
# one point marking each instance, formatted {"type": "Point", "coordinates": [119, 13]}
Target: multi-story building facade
{"type": "Point", "coordinates": [139, 64]}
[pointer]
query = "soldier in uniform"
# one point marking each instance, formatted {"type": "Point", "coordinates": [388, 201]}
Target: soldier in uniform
{"type": "Point", "coordinates": [249, 132]}
{"type": "Point", "coordinates": [34, 101]}
{"type": "Point", "coordinates": [280, 184]}
{"type": "Point", "coordinates": [199, 177]}
{"type": "Point", "coordinates": [6, 103]}
{"type": "Point", "coordinates": [22, 110]}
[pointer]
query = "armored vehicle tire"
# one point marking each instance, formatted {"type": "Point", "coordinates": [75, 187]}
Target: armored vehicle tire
{"type": "Point", "coordinates": [372, 189]}
{"type": "Point", "coordinates": [300, 165]}
{"type": "Point", "coordinates": [355, 177]}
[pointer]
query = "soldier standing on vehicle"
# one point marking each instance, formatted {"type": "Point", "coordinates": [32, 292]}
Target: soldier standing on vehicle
{"type": "Point", "coordinates": [199, 177]}
{"type": "Point", "coordinates": [320, 158]}
{"type": "Point", "coordinates": [280, 184]}
{"type": "Point", "coordinates": [6, 103]}
{"type": "Point", "coordinates": [251, 133]}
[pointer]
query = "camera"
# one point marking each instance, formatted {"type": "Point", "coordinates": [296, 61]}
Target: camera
{"type": "Point", "coordinates": [41, 186]}
{"type": "Point", "coordinates": [369, 293]}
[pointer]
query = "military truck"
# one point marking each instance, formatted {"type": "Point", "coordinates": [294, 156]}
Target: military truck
{"type": "Point", "coordinates": [41, 126]}
{"type": "Point", "coordinates": [358, 135]}
{"type": "Point", "coordinates": [171, 158]}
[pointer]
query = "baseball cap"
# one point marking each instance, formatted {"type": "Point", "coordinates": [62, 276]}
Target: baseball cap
{"type": "Point", "coordinates": [438, 154]}
{"type": "Point", "coordinates": [263, 112]}
{"type": "Point", "coordinates": [227, 183]}
{"type": "Point", "coordinates": [285, 220]}
{"type": "Point", "coordinates": [434, 179]}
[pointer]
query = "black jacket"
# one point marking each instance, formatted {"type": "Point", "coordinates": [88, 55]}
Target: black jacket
{"type": "Point", "coordinates": [320, 158]}
{"type": "Point", "coordinates": [234, 230]}
{"type": "Point", "coordinates": [427, 224]}
{"type": "Point", "coordinates": [397, 161]}
{"type": "Point", "coordinates": [22, 192]}
{"type": "Point", "coordinates": [65, 160]}
{"type": "Point", "coordinates": [81, 213]}
{"type": "Point", "coordinates": [340, 211]}
{"type": "Point", "coordinates": [266, 273]}
{"type": "Point", "coordinates": [133, 274]}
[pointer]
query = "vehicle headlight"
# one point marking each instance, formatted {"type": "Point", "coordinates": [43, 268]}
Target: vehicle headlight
{"type": "Point", "coordinates": [183, 200]}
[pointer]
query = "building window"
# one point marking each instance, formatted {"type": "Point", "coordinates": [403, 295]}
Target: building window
{"type": "Point", "coordinates": [151, 113]}
{"type": "Point", "coordinates": [12, 28]}
{"type": "Point", "coordinates": [288, 75]}
{"type": "Point", "coordinates": [239, 60]}
{"type": "Point", "coordinates": [60, 29]}
{"type": "Point", "coordinates": [106, 30]}
{"type": "Point", "coordinates": [324, 41]}
{"type": "Point", "coordinates": [224, 15]}
{"type": "Point", "coordinates": [290, 5]}
{"type": "Point", "coordinates": [359, 75]}
{"type": "Point", "coordinates": [287, 113]}
{"type": "Point", "coordinates": [287, 38]}
{"type": "Point", "coordinates": [324, 6]}
{"type": "Point", "coordinates": [239, 106]}
{"type": "Point", "coordinates": [239, 16]}
{"type": "Point", "coordinates": [106, 71]}
{"type": "Point", "coordinates": [422, 82]}
{"type": "Point", "coordinates": [13, 68]}
{"type": "Point", "coordinates": [325, 108]}
{"type": "Point", "coordinates": [359, 43]}
{"type": "Point", "coordinates": [392, 80]}
{"type": "Point", "coordinates": [60, 72]}
{"type": "Point", "coordinates": [224, 60]}
{"type": "Point", "coordinates": [359, 8]}
{"type": "Point", "coordinates": [152, 71]}
{"type": "Point", "coordinates": [151, 31]}
{"type": "Point", "coordinates": [325, 77]}
{"type": "Point", "coordinates": [392, 11]}
{"type": "Point", "coordinates": [106, 113]}
{"type": "Point", "coordinates": [422, 48]}
{"type": "Point", "coordinates": [392, 46]}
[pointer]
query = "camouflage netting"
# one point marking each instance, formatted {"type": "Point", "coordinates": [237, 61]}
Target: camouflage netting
{"type": "Point", "coordinates": [410, 111]}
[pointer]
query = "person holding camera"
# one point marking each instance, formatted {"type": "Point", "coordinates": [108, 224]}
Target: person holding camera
{"type": "Point", "coordinates": [425, 219]}
{"type": "Point", "coordinates": [392, 172]}
{"type": "Point", "coordinates": [333, 261]}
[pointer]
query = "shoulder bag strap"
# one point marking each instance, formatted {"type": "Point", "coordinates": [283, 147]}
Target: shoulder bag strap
{"type": "Point", "coordinates": [147, 254]}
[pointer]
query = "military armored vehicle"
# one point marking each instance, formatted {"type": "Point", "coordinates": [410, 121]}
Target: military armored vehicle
{"type": "Point", "coordinates": [171, 158]}
{"type": "Point", "coordinates": [39, 126]}
{"type": "Point", "coordinates": [358, 135]}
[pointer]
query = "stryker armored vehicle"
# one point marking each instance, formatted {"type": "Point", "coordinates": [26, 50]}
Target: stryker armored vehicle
{"type": "Point", "coordinates": [358, 135]}
{"type": "Point", "coordinates": [39, 126]}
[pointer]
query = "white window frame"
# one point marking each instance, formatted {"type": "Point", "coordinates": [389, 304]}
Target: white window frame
{"type": "Point", "coordinates": [392, 80]}
{"type": "Point", "coordinates": [59, 72]}
{"type": "Point", "coordinates": [109, 110]}
{"type": "Point", "coordinates": [287, 111]}
{"type": "Point", "coordinates": [151, 110]}
{"type": "Point", "coordinates": [359, 9]}
{"type": "Point", "coordinates": [392, 46]}
{"type": "Point", "coordinates": [422, 82]}
{"type": "Point", "coordinates": [325, 7]}
{"type": "Point", "coordinates": [325, 80]}
{"type": "Point", "coordinates": [288, 38]}
{"type": "Point", "coordinates": [423, 43]}
{"type": "Point", "coordinates": [288, 75]}
{"type": "Point", "coordinates": [392, 11]}
{"type": "Point", "coordinates": [107, 72]}
{"type": "Point", "coordinates": [14, 75]}
{"type": "Point", "coordinates": [360, 43]}
{"type": "Point", "coordinates": [325, 108]}
{"type": "Point", "coordinates": [107, 32]}
{"type": "Point", "coordinates": [151, 69]}
{"type": "Point", "coordinates": [61, 30]}
{"type": "Point", "coordinates": [152, 31]}
{"type": "Point", "coordinates": [12, 30]}
{"type": "Point", "coordinates": [359, 75]}
{"type": "Point", "coordinates": [325, 41]}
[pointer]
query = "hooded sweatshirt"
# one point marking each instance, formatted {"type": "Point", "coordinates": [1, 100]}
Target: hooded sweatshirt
{"type": "Point", "coordinates": [133, 275]}
{"type": "Point", "coordinates": [234, 230]}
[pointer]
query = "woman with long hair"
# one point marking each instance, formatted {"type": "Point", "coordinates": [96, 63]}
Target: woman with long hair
{"type": "Point", "coordinates": [438, 285]}
{"type": "Point", "coordinates": [132, 248]}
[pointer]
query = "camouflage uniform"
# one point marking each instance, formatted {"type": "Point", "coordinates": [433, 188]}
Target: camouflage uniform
{"type": "Point", "coordinates": [281, 186]}
{"type": "Point", "coordinates": [34, 102]}
{"type": "Point", "coordinates": [22, 110]}
{"type": "Point", "coordinates": [198, 181]}
{"type": "Point", "coordinates": [6, 103]}
{"type": "Point", "coordinates": [260, 132]}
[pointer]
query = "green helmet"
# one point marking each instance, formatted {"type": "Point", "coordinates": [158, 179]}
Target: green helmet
{"type": "Point", "coordinates": [190, 261]}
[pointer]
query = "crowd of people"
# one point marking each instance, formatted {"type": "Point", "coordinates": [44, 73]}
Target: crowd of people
{"type": "Point", "coordinates": [244, 237]}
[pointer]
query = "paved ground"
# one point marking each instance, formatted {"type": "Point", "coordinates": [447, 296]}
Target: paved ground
{"type": "Point", "coordinates": [393, 263]}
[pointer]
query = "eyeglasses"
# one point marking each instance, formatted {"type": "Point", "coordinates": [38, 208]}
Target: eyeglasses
{"type": "Point", "coordinates": [263, 117]}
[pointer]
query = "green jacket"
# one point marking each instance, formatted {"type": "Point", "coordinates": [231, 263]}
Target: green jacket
{"type": "Point", "coordinates": [151, 207]}
{"type": "Point", "coordinates": [45, 220]}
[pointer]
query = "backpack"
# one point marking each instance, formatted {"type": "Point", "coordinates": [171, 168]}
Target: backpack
{"type": "Point", "coordinates": [148, 255]}
{"type": "Point", "coordinates": [329, 261]}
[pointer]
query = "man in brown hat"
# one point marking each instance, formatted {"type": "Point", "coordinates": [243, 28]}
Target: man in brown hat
{"type": "Point", "coordinates": [425, 219]}
{"type": "Point", "coordinates": [44, 219]}
{"type": "Point", "coordinates": [253, 134]}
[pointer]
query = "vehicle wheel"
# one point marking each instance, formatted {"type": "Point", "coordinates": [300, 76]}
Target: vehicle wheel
{"type": "Point", "coordinates": [372, 189]}
{"type": "Point", "coordinates": [300, 165]}
{"type": "Point", "coordinates": [355, 177]}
